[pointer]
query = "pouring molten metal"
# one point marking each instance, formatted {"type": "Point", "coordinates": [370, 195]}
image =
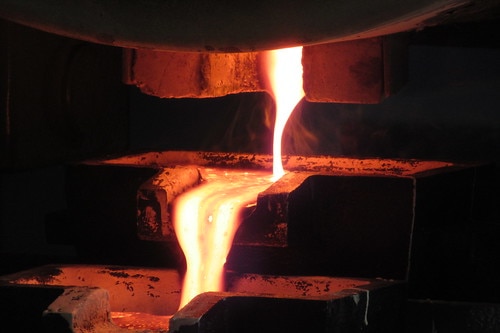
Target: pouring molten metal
{"type": "Point", "coordinates": [207, 217]}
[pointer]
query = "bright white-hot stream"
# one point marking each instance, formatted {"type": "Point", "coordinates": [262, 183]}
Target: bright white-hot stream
{"type": "Point", "coordinates": [285, 78]}
{"type": "Point", "coordinates": [206, 218]}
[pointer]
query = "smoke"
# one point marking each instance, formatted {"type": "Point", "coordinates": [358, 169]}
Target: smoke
{"type": "Point", "coordinates": [250, 128]}
{"type": "Point", "coordinates": [312, 129]}
{"type": "Point", "coordinates": [298, 137]}
{"type": "Point", "coordinates": [334, 129]}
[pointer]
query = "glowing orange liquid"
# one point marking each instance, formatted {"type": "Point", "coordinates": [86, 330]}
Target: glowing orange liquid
{"type": "Point", "coordinates": [285, 76]}
{"type": "Point", "coordinates": [206, 219]}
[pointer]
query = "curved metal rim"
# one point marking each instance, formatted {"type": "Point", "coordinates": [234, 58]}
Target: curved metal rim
{"type": "Point", "coordinates": [224, 25]}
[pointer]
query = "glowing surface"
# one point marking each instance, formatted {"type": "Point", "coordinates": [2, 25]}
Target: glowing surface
{"type": "Point", "coordinates": [140, 320]}
{"type": "Point", "coordinates": [206, 219]}
{"type": "Point", "coordinates": [285, 77]}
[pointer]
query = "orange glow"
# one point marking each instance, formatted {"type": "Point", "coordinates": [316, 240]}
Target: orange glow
{"type": "Point", "coordinates": [140, 321]}
{"type": "Point", "coordinates": [206, 219]}
{"type": "Point", "coordinates": [284, 68]}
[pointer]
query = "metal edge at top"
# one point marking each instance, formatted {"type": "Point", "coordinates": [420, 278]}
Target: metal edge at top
{"type": "Point", "coordinates": [226, 26]}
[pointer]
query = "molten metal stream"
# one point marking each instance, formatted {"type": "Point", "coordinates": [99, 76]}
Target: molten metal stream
{"type": "Point", "coordinates": [207, 217]}
{"type": "Point", "coordinates": [285, 76]}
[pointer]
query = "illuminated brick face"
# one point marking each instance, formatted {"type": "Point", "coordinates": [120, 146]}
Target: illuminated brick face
{"type": "Point", "coordinates": [360, 71]}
